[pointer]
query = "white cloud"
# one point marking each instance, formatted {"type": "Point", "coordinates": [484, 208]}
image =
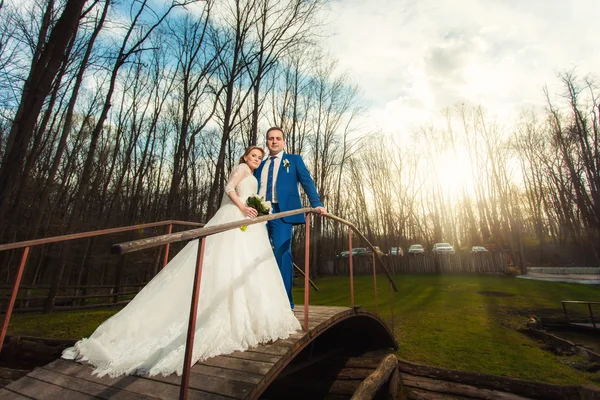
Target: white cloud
{"type": "Point", "coordinates": [413, 58]}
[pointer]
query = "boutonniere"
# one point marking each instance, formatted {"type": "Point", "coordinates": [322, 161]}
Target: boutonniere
{"type": "Point", "coordinates": [286, 165]}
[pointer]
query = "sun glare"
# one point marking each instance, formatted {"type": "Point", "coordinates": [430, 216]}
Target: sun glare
{"type": "Point", "coordinates": [454, 173]}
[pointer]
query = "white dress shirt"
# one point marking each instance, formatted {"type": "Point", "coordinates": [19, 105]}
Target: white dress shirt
{"type": "Point", "coordinates": [265, 174]}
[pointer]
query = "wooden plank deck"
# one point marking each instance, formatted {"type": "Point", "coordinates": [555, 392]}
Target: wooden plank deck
{"type": "Point", "coordinates": [240, 375]}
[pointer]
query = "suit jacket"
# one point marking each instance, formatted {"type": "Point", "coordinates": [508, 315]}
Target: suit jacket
{"type": "Point", "coordinates": [288, 196]}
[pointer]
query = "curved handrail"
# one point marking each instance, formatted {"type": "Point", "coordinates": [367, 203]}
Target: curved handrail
{"type": "Point", "coordinates": [82, 235]}
{"type": "Point", "coordinates": [363, 237]}
{"type": "Point", "coordinates": [141, 244]}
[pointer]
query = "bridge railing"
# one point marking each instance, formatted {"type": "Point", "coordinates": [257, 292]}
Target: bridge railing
{"type": "Point", "coordinates": [589, 306]}
{"type": "Point", "coordinates": [203, 233]}
{"type": "Point", "coordinates": [27, 245]}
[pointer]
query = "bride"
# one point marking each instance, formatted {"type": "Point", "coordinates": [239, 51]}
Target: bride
{"type": "Point", "coordinates": [242, 298]}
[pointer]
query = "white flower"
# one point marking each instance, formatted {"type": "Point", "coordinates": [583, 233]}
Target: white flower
{"type": "Point", "coordinates": [266, 205]}
{"type": "Point", "coordinates": [286, 164]}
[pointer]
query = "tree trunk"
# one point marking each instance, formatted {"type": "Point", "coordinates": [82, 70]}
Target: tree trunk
{"type": "Point", "coordinates": [37, 87]}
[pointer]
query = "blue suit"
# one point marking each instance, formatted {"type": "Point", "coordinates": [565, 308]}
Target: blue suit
{"type": "Point", "coordinates": [288, 198]}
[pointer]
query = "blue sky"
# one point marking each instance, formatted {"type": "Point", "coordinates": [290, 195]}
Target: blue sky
{"type": "Point", "coordinates": [413, 58]}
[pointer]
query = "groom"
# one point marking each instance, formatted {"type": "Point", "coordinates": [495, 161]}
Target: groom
{"type": "Point", "coordinates": [278, 176]}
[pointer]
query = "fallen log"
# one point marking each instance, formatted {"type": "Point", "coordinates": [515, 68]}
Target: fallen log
{"type": "Point", "coordinates": [371, 385]}
{"type": "Point", "coordinates": [457, 389]}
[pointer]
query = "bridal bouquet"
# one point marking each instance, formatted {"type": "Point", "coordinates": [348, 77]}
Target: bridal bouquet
{"type": "Point", "coordinates": [262, 206]}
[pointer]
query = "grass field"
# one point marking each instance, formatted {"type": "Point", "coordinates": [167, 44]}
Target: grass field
{"type": "Point", "coordinates": [464, 322]}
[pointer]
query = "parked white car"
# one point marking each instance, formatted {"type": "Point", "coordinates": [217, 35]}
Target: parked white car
{"type": "Point", "coordinates": [442, 248]}
{"type": "Point", "coordinates": [416, 249]}
{"type": "Point", "coordinates": [477, 249]}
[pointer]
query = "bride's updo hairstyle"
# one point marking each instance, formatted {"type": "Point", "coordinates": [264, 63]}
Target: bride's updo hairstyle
{"type": "Point", "coordinates": [242, 161]}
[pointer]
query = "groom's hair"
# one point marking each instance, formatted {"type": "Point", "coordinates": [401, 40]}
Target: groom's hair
{"type": "Point", "coordinates": [275, 128]}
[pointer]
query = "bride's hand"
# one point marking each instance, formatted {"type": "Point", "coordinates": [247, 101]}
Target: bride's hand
{"type": "Point", "coordinates": [249, 212]}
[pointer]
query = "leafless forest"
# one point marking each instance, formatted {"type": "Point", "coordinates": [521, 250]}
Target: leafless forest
{"type": "Point", "coordinates": [118, 113]}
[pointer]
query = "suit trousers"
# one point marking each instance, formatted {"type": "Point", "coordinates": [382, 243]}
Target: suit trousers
{"type": "Point", "coordinates": [280, 233]}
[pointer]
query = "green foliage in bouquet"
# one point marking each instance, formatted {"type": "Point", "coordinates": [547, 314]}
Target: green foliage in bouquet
{"type": "Point", "coordinates": [259, 204]}
{"type": "Point", "coordinates": [262, 207]}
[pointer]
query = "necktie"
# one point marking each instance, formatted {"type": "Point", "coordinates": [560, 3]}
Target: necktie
{"type": "Point", "coordinates": [270, 179]}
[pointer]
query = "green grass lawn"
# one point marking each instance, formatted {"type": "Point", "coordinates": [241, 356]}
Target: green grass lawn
{"type": "Point", "coordinates": [464, 322]}
{"type": "Point", "coordinates": [446, 321]}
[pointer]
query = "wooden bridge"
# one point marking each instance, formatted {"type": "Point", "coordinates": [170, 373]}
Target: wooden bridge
{"type": "Point", "coordinates": [332, 331]}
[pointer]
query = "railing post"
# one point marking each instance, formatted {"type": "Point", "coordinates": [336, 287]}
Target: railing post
{"type": "Point", "coordinates": [13, 296]}
{"type": "Point", "coordinates": [306, 271]}
{"type": "Point", "coordinates": [118, 277]}
{"type": "Point", "coordinates": [375, 285]}
{"type": "Point", "coordinates": [189, 345]}
{"type": "Point", "coordinates": [350, 267]}
{"type": "Point", "coordinates": [565, 311]}
{"type": "Point", "coordinates": [592, 315]}
{"type": "Point", "coordinates": [392, 305]}
{"type": "Point", "coordinates": [167, 246]}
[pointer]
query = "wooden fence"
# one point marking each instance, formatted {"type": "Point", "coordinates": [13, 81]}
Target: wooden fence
{"type": "Point", "coordinates": [462, 262]}
{"type": "Point", "coordinates": [69, 298]}
{"type": "Point", "coordinates": [31, 299]}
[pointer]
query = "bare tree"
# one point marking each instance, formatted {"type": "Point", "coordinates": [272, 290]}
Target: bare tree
{"type": "Point", "coordinates": [196, 100]}
{"type": "Point", "coordinates": [239, 17]}
{"type": "Point", "coordinates": [45, 65]}
{"type": "Point", "coordinates": [280, 28]}
{"type": "Point", "coordinates": [41, 209]}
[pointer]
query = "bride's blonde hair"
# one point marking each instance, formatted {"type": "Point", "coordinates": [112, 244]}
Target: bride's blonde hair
{"type": "Point", "coordinates": [248, 150]}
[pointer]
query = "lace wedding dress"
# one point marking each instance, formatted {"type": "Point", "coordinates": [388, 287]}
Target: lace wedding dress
{"type": "Point", "coordinates": [242, 302]}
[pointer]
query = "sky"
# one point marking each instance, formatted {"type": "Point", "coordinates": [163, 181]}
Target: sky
{"type": "Point", "coordinates": [414, 58]}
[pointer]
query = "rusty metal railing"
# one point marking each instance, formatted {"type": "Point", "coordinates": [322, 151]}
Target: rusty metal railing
{"type": "Point", "coordinates": [28, 244]}
{"type": "Point", "coordinates": [203, 233]}
{"type": "Point", "coordinates": [589, 304]}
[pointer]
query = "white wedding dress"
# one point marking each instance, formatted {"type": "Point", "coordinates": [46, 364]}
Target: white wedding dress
{"type": "Point", "coordinates": [242, 302]}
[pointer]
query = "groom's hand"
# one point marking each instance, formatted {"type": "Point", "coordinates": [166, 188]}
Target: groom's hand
{"type": "Point", "coordinates": [322, 210]}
